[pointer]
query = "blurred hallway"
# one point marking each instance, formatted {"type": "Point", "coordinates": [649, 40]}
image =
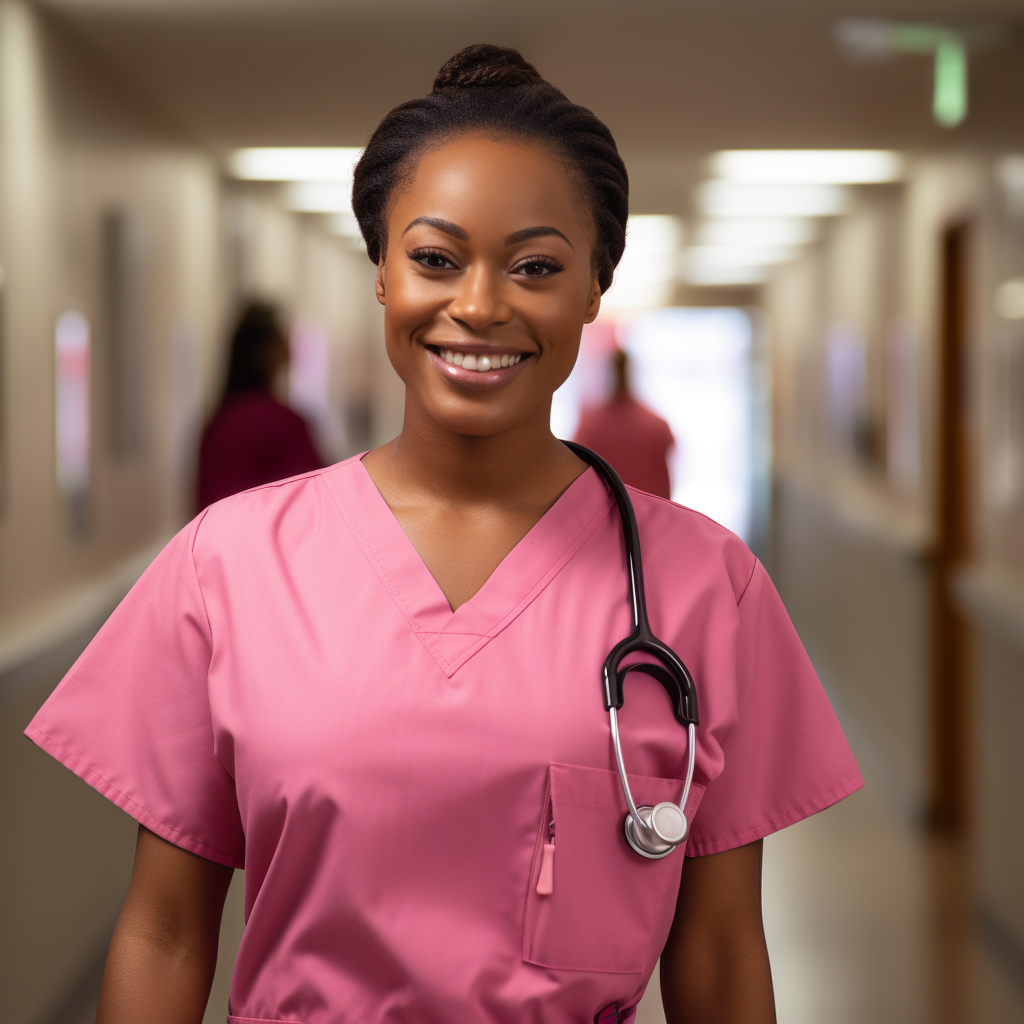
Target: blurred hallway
{"type": "Point", "coordinates": [822, 293]}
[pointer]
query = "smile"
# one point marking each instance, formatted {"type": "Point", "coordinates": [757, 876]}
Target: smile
{"type": "Point", "coordinates": [478, 369]}
{"type": "Point", "coordinates": [480, 363]}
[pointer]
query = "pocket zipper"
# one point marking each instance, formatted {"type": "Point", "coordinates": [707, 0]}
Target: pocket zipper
{"type": "Point", "coordinates": [546, 877]}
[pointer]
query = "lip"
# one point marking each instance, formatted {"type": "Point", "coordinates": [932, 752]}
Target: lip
{"type": "Point", "coordinates": [480, 380]}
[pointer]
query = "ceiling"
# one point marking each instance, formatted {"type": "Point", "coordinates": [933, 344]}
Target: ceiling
{"type": "Point", "coordinates": [674, 80]}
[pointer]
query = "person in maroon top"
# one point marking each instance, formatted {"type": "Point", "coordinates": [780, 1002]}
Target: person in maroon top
{"type": "Point", "coordinates": [633, 439]}
{"type": "Point", "coordinates": [252, 438]}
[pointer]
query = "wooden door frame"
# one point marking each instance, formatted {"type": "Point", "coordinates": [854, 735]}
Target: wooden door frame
{"type": "Point", "coordinates": [949, 804]}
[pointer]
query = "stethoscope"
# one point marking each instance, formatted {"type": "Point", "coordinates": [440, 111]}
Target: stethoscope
{"type": "Point", "coordinates": [653, 832]}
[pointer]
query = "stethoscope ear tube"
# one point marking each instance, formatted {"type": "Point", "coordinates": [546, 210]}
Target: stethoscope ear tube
{"type": "Point", "coordinates": [653, 832]}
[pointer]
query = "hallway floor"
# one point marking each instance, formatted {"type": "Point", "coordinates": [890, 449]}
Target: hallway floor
{"type": "Point", "coordinates": [868, 923]}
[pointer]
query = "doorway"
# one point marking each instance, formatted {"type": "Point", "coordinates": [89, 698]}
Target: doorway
{"type": "Point", "coordinates": [951, 697]}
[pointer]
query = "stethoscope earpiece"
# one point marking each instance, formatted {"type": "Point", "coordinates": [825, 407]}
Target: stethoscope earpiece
{"type": "Point", "coordinates": [653, 832]}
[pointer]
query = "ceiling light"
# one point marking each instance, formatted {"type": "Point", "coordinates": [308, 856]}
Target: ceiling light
{"type": "Point", "coordinates": [746, 199]}
{"type": "Point", "coordinates": [294, 163]}
{"type": "Point", "coordinates": [726, 275]}
{"type": "Point", "coordinates": [318, 197]}
{"type": "Point", "coordinates": [646, 275]}
{"type": "Point", "coordinates": [808, 166]}
{"type": "Point", "coordinates": [737, 255]}
{"type": "Point", "coordinates": [756, 232]}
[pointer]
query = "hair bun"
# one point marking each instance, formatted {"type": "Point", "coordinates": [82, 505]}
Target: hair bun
{"type": "Point", "coordinates": [486, 65]}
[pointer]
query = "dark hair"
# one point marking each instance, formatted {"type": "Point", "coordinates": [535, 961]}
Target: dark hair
{"type": "Point", "coordinates": [492, 88]}
{"type": "Point", "coordinates": [257, 346]}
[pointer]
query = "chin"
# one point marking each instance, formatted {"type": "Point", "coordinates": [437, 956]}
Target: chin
{"type": "Point", "coordinates": [476, 419]}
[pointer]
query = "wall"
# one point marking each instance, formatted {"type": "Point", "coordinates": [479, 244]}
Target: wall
{"type": "Point", "coordinates": [855, 329]}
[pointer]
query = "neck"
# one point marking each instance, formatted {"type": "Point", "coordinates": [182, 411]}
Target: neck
{"type": "Point", "coordinates": [525, 464]}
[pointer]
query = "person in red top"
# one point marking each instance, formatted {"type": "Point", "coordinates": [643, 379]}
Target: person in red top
{"type": "Point", "coordinates": [253, 439]}
{"type": "Point", "coordinates": [633, 439]}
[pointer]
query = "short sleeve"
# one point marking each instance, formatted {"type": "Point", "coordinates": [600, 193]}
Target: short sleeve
{"type": "Point", "coordinates": [132, 717]}
{"type": "Point", "coordinates": [786, 757]}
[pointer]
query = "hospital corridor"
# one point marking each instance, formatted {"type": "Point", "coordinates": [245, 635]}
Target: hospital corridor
{"type": "Point", "coordinates": [814, 338]}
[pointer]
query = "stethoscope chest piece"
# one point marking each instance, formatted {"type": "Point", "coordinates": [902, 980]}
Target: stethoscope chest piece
{"type": "Point", "coordinates": [665, 828]}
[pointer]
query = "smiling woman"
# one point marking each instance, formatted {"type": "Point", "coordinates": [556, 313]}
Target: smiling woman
{"type": "Point", "coordinates": [377, 686]}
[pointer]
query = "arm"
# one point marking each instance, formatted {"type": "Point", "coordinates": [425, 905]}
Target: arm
{"type": "Point", "coordinates": [714, 968]}
{"type": "Point", "coordinates": [164, 950]}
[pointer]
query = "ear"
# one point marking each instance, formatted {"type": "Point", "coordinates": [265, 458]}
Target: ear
{"type": "Point", "coordinates": [594, 302]}
{"type": "Point", "coordinates": [378, 283]}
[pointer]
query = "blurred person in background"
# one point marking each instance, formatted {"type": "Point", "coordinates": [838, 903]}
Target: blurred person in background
{"type": "Point", "coordinates": [633, 439]}
{"type": "Point", "coordinates": [253, 438]}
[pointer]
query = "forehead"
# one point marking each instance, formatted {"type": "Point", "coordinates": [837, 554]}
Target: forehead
{"type": "Point", "coordinates": [493, 185]}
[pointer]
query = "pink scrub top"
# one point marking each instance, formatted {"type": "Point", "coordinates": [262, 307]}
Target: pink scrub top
{"type": "Point", "coordinates": [287, 690]}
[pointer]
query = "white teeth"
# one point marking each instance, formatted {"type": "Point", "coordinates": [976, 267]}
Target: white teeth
{"type": "Point", "coordinates": [471, 361]}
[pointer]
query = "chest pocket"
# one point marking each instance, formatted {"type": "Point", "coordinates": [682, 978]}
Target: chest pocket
{"type": "Point", "coordinates": [592, 904]}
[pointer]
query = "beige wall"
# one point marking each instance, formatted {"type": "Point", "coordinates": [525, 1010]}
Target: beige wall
{"type": "Point", "coordinates": [72, 152]}
{"type": "Point", "coordinates": [854, 529]}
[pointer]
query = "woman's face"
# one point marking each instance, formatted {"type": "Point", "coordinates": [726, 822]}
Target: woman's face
{"type": "Point", "coordinates": [487, 283]}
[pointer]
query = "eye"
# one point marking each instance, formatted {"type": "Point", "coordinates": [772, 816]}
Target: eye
{"type": "Point", "coordinates": [432, 260]}
{"type": "Point", "coordinates": [537, 266]}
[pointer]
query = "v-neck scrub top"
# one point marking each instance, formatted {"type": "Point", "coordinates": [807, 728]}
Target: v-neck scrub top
{"type": "Point", "coordinates": [286, 689]}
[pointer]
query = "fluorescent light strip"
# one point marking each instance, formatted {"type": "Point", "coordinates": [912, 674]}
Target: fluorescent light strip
{"type": "Point", "coordinates": [726, 275]}
{"type": "Point", "coordinates": [809, 166]}
{"type": "Point", "coordinates": [744, 199]}
{"type": "Point", "coordinates": [318, 197]}
{"type": "Point", "coordinates": [778, 231]}
{"type": "Point", "coordinates": [738, 255]}
{"type": "Point", "coordinates": [294, 163]}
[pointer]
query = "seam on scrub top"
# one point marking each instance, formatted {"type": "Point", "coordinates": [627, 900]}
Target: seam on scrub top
{"type": "Point", "coordinates": [770, 822]}
{"type": "Point", "coordinates": [209, 633]}
{"type": "Point", "coordinates": [36, 731]}
{"type": "Point", "coordinates": [676, 504]}
{"type": "Point", "coordinates": [451, 666]}
{"type": "Point", "coordinates": [195, 573]}
{"type": "Point", "coordinates": [750, 578]}
{"type": "Point", "coordinates": [368, 553]}
{"type": "Point", "coordinates": [556, 567]}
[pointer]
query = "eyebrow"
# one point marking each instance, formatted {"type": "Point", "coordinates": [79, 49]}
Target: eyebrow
{"type": "Point", "coordinates": [514, 239]}
{"type": "Point", "coordinates": [442, 225]}
{"type": "Point", "coordinates": [527, 233]}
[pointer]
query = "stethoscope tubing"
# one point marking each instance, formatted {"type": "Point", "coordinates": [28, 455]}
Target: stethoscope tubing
{"type": "Point", "coordinates": [672, 672]}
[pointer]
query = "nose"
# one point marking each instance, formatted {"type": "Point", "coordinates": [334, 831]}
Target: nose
{"type": "Point", "coordinates": [480, 303]}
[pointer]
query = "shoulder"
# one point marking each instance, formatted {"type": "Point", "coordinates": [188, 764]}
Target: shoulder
{"type": "Point", "coordinates": [244, 521]}
{"type": "Point", "coordinates": [651, 418]}
{"type": "Point", "coordinates": [675, 538]}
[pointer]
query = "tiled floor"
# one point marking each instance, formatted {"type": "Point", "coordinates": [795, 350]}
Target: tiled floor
{"type": "Point", "coordinates": [870, 923]}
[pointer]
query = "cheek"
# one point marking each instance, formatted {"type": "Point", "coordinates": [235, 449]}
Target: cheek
{"type": "Point", "coordinates": [409, 299]}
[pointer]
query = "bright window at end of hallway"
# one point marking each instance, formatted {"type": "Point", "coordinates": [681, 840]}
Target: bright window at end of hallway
{"type": "Point", "coordinates": [72, 406]}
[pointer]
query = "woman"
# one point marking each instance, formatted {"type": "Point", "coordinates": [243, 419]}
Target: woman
{"type": "Point", "coordinates": [252, 438]}
{"type": "Point", "coordinates": [376, 686]}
